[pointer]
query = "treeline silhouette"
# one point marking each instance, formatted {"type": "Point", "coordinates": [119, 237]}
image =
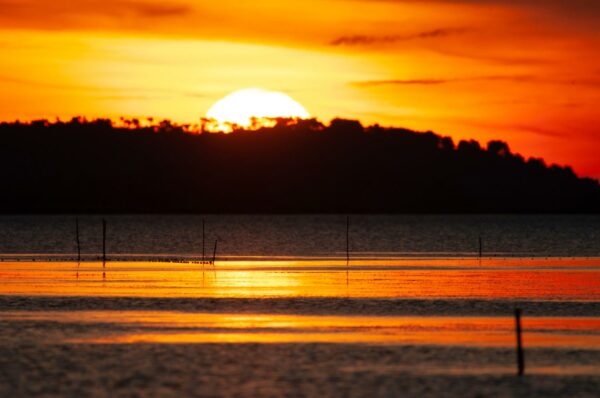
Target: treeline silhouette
{"type": "Point", "coordinates": [295, 166]}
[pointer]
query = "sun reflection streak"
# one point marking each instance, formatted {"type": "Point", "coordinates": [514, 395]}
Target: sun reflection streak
{"type": "Point", "coordinates": [452, 278]}
{"type": "Point", "coordinates": [182, 327]}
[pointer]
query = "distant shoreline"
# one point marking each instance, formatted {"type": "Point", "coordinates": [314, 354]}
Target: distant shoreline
{"type": "Point", "coordinates": [297, 166]}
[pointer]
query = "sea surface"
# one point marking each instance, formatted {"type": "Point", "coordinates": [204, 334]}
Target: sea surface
{"type": "Point", "coordinates": [318, 305]}
{"type": "Point", "coordinates": [316, 236]}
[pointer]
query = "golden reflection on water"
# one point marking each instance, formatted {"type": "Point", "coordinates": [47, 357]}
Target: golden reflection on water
{"type": "Point", "coordinates": [422, 338]}
{"type": "Point", "coordinates": [569, 279]}
{"type": "Point", "coordinates": [178, 327]}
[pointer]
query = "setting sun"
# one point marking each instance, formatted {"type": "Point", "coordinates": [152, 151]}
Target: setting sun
{"type": "Point", "coordinates": [241, 107]}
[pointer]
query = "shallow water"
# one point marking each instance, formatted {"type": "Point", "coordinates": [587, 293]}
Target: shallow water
{"type": "Point", "coordinates": [565, 279]}
{"type": "Point", "coordinates": [414, 311]}
{"type": "Point", "coordinates": [122, 327]}
{"type": "Point", "coordinates": [465, 301]}
{"type": "Point", "coordinates": [320, 236]}
{"type": "Point", "coordinates": [148, 329]}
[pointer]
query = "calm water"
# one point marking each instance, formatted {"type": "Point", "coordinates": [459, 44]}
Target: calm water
{"type": "Point", "coordinates": [415, 312]}
{"type": "Point", "coordinates": [309, 236]}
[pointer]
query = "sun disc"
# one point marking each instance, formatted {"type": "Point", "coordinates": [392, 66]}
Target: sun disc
{"type": "Point", "coordinates": [241, 107]}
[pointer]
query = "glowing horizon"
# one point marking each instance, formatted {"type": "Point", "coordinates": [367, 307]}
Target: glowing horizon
{"type": "Point", "coordinates": [523, 72]}
{"type": "Point", "coordinates": [253, 106]}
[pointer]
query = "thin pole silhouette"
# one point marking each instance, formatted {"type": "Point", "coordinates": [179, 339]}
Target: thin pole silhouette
{"type": "Point", "coordinates": [347, 241]}
{"type": "Point", "coordinates": [215, 252]}
{"type": "Point", "coordinates": [203, 240]}
{"type": "Point", "coordinates": [103, 243]}
{"type": "Point", "coordinates": [480, 247]}
{"type": "Point", "coordinates": [347, 250]}
{"type": "Point", "coordinates": [77, 239]}
{"type": "Point", "coordinates": [520, 357]}
{"type": "Point", "coordinates": [78, 244]}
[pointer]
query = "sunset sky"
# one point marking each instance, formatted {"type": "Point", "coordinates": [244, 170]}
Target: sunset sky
{"type": "Point", "coordinates": [525, 71]}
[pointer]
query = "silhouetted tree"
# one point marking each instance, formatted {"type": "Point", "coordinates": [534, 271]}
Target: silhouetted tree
{"type": "Point", "coordinates": [294, 166]}
{"type": "Point", "coordinates": [498, 148]}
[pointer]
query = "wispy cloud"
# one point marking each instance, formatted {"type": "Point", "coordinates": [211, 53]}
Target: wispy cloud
{"type": "Point", "coordinates": [365, 40]}
{"type": "Point", "coordinates": [431, 82]}
{"type": "Point", "coordinates": [403, 82]}
{"type": "Point", "coordinates": [492, 58]}
{"type": "Point", "coordinates": [546, 132]}
{"type": "Point", "coordinates": [142, 8]}
{"type": "Point", "coordinates": [589, 7]}
{"type": "Point", "coordinates": [504, 78]}
{"type": "Point", "coordinates": [63, 14]}
{"type": "Point", "coordinates": [157, 10]}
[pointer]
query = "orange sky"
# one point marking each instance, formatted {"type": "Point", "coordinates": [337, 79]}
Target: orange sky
{"type": "Point", "coordinates": [525, 71]}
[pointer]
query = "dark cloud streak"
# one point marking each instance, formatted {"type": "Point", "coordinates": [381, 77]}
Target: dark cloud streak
{"type": "Point", "coordinates": [502, 78]}
{"type": "Point", "coordinates": [365, 40]}
{"type": "Point", "coordinates": [399, 82]}
{"type": "Point", "coordinates": [580, 6]}
{"type": "Point", "coordinates": [432, 82]}
{"type": "Point", "coordinates": [112, 8]}
{"type": "Point", "coordinates": [156, 10]}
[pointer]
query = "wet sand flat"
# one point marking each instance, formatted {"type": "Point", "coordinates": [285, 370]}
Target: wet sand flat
{"type": "Point", "coordinates": [266, 370]}
{"type": "Point", "coordinates": [393, 327]}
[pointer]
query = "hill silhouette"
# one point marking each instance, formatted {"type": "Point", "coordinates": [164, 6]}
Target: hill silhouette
{"type": "Point", "coordinates": [295, 166]}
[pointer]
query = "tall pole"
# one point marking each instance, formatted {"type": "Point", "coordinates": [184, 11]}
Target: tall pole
{"type": "Point", "coordinates": [520, 357]}
{"type": "Point", "coordinates": [347, 250]}
{"type": "Point", "coordinates": [347, 241]}
{"type": "Point", "coordinates": [77, 240]}
{"type": "Point", "coordinates": [103, 243]}
{"type": "Point", "coordinates": [480, 247]}
{"type": "Point", "coordinates": [215, 252]}
{"type": "Point", "coordinates": [203, 240]}
{"type": "Point", "coordinates": [78, 246]}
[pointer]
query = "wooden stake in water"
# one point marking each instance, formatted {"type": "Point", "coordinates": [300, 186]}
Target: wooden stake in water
{"type": "Point", "coordinates": [77, 240]}
{"type": "Point", "coordinates": [520, 357]}
{"type": "Point", "coordinates": [347, 241]}
{"type": "Point", "coordinates": [215, 252]}
{"type": "Point", "coordinates": [480, 247]}
{"type": "Point", "coordinates": [103, 243]}
{"type": "Point", "coordinates": [203, 239]}
{"type": "Point", "coordinates": [78, 245]}
{"type": "Point", "coordinates": [347, 250]}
